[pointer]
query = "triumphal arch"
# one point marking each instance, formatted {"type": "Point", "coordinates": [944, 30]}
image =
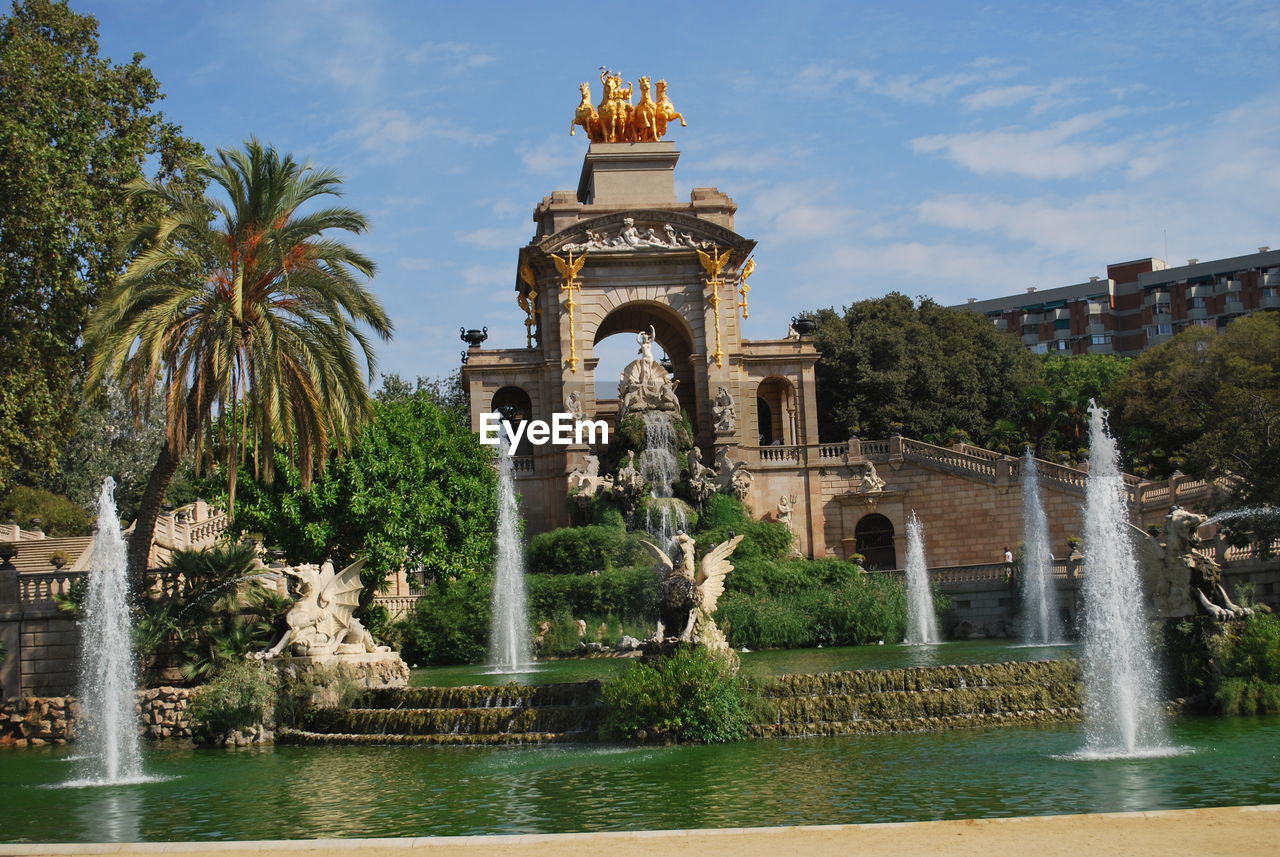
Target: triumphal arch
{"type": "Point", "coordinates": [621, 254]}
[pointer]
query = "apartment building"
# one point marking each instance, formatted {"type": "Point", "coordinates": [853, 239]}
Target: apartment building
{"type": "Point", "coordinates": [1139, 304]}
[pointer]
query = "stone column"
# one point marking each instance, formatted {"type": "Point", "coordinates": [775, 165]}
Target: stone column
{"type": "Point", "coordinates": [10, 631]}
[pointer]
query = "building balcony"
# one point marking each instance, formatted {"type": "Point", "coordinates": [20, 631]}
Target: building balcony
{"type": "Point", "coordinates": [1234, 307]}
{"type": "Point", "coordinates": [1155, 298]}
{"type": "Point", "coordinates": [1063, 333]}
{"type": "Point", "coordinates": [1232, 286]}
{"type": "Point", "coordinates": [1200, 290]}
{"type": "Point", "coordinates": [1196, 313]}
{"type": "Point", "coordinates": [1030, 338]}
{"type": "Point", "coordinates": [1096, 328]}
{"type": "Point", "coordinates": [1061, 313]}
{"type": "Point", "coordinates": [1033, 318]}
{"type": "Point", "coordinates": [1098, 308]}
{"type": "Point", "coordinates": [1271, 278]}
{"type": "Point", "coordinates": [1101, 347]}
{"type": "Point", "coordinates": [1269, 301]}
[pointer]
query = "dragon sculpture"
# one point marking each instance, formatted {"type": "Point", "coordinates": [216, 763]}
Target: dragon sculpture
{"type": "Point", "coordinates": [688, 597]}
{"type": "Point", "coordinates": [321, 622]}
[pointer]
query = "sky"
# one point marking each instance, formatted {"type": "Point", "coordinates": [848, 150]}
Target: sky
{"type": "Point", "coordinates": [942, 149]}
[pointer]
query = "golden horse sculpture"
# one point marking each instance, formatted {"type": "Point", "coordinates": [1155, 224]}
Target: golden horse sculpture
{"type": "Point", "coordinates": [617, 120]}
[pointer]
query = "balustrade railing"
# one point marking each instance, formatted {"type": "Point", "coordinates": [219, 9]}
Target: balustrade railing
{"type": "Point", "coordinates": [949, 457]}
{"type": "Point", "coordinates": [874, 447]}
{"type": "Point", "coordinates": [782, 454]}
{"type": "Point", "coordinates": [522, 464]}
{"type": "Point", "coordinates": [398, 606]}
{"type": "Point", "coordinates": [832, 450]}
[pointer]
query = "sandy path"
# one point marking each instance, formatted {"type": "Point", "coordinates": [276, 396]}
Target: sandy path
{"type": "Point", "coordinates": [1233, 831]}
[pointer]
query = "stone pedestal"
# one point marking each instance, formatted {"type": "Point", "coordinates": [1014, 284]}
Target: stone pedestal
{"type": "Point", "coordinates": [372, 670]}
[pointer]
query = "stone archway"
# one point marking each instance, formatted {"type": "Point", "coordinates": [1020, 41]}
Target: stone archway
{"type": "Point", "coordinates": [777, 417]}
{"type": "Point", "coordinates": [874, 540]}
{"type": "Point", "coordinates": [671, 332]}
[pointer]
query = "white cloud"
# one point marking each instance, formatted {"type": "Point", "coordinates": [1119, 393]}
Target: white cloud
{"type": "Point", "coordinates": [1051, 153]}
{"type": "Point", "coordinates": [1042, 97]}
{"type": "Point", "coordinates": [801, 211]}
{"type": "Point", "coordinates": [452, 57]}
{"type": "Point", "coordinates": [903, 87]}
{"type": "Point", "coordinates": [391, 132]}
{"type": "Point", "coordinates": [489, 277]}
{"type": "Point", "coordinates": [408, 263]}
{"type": "Point", "coordinates": [554, 155]}
{"type": "Point", "coordinates": [496, 237]}
{"type": "Point", "coordinates": [742, 160]}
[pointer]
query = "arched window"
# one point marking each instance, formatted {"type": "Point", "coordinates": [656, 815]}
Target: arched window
{"type": "Point", "coordinates": [874, 538]}
{"type": "Point", "coordinates": [515, 406]}
{"type": "Point", "coordinates": [764, 420]}
{"type": "Point", "coordinates": [779, 397]}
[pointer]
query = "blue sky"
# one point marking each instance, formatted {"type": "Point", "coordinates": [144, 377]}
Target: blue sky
{"type": "Point", "coordinates": [946, 149]}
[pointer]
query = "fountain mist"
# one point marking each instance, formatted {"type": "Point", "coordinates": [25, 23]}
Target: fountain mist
{"type": "Point", "coordinates": [1123, 712]}
{"type": "Point", "coordinates": [922, 621]}
{"type": "Point", "coordinates": [1040, 624]}
{"type": "Point", "coordinates": [509, 643]}
{"type": "Point", "coordinates": [108, 725]}
{"type": "Point", "coordinates": [665, 516]}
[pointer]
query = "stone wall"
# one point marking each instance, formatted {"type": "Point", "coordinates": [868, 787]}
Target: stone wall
{"type": "Point", "coordinates": [33, 721]}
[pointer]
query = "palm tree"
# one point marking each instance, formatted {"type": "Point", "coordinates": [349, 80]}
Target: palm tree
{"type": "Point", "coordinates": [245, 312]}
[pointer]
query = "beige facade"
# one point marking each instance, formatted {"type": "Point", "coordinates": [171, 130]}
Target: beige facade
{"type": "Point", "coordinates": [643, 270]}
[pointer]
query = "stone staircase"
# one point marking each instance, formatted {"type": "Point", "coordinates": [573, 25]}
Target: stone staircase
{"type": "Point", "coordinates": [462, 716]}
{"type": "Point", "coordinates": [920, 699]}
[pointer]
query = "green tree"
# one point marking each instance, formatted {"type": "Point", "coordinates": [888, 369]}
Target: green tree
{"type": "Point", "coordinates": [417, 489]}
{"type": "Point", "coordinates": [927, 367]}
{"type": "Point", "coordinates": [1209, 403]}
{"type": "Point", "coordinates": [243, 307]}
{"type": "Point", "coordinates": [1055, 412]}
{"type": "Point", "coordinates": [75, 129]}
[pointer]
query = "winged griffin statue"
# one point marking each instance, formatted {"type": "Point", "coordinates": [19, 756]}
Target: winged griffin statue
{"type": "Point", "coordinates": [688, 597]}
{"type": "Point", "coordinates": [321, 622]}
{"type": "Point", "coordinates": [1179, 580]}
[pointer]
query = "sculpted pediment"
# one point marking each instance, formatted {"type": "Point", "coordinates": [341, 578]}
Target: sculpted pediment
{"type": "Point", "coordinates": [643, 231]}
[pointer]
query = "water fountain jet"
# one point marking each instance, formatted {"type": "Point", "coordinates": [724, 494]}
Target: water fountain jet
{"type": "Point", "coordinates": [922, 619]}
{"type": "Point", "coordinates": [1040, 625]}
{"type": "Point", "coordinates": [509, 646]}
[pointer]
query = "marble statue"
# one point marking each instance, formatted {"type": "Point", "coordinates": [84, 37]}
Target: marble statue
{"type": "Point", "coordinates": [689, 594]}
{"type": "Point", "coordinates": [628, 485]}
{"type": "Point", "coordinates": [870, 483]}
{"type": "Point", "coordinates": [724, 412]}
{"type": "Point", "coordinates": [1180, 581]}
{"type": "Point", "coordinates": [629, 237]}
{"type": "Point", "coordinates": [573, 406]}
{"type": "Point", "coordinates": [702, 479]}
{"type": "Point", "coordinates": [784, 516]}
{"type": "Point", "coordinates": [588, 480]}
{"type": "Point", "coordinates": [734, 477]}
{"type": "Point", "coordinates": [645, 385]}
{"type": "Point", "coordinates": [323, 630]}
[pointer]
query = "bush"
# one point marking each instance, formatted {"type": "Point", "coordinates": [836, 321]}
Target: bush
{"type": "Point", "coordinates": [306, 696]}
{"type": "Point", "coordinates": [693, 696]}
{"type": "Point", "coordinates": [450, 624]}
{"type": "Point", "coordinates": [1250, 665]}
{"type": "Point", "coordinates": [628, 591]}
{"type": "Point", "coordinates": [59, 516]}
{"type": "Point", "coordinates": [853, 611]}
{"type": "Point", "coordinates": [241, 695]}
{"type": "Point", "coordinates": [763, 539]}
{"type": "Point", "coordinates": [576, 550]}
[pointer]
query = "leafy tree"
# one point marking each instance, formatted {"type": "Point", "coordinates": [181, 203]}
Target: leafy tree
{"type": "Point", "coordinates": [889, 362]}
{"type": "Point", "coordinates": [416, 489]}
{"type": "Point", "coordinates": [1055, 414]}
{"type": "Point", "coordinates": [245, 307]}
{"type": "Point", "coordinates": [75, 129]}
{"type": "Point", "coordinates": [58, 515]}
{"type": "Point", "coordinates": [1209, 403]}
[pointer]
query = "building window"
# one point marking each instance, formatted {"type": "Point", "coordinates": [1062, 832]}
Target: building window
{"type": "Point", "coordinates": [1040, 348]}
{"type": "Point", "coordinates": [1030, 328]}
{"type": "Point", "coordinates": [1164, 329]}
{"type": "Point", "coordinates": [1100, 339]}
{"type": "Point", "coordinates": [1197, 303]}
{"type": "Point", "coordinates": [1063, 345]}
{"type": "Point", "coordinates": [1205, 322]}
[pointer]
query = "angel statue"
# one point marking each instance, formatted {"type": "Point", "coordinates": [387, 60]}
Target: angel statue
{"type": "Point", "coordinates": [688, 597]}
{"type": "Point", "coordinates": [320, 622]}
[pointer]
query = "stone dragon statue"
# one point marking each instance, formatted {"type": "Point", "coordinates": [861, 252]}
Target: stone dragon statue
{"type": "Point", "coordinates": [321, 622]}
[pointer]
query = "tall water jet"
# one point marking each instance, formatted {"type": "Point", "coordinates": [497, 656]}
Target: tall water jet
{"type": "Point", "coordinates": [1040, 625]}
{"type": "Point", "coordinates": [108, 725]}
{"type": "Point", "coordinates": [664, 515]}
{"type": "Point", "coordinates": [509, 643]}
{"type": "Point", "coordinates": [922, 621]}
{"type": "Point", "coordinates": [1123, 712]}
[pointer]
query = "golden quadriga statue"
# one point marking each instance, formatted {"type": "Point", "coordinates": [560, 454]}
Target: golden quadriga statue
{"type": "Point", "coordinates": [617, 120]}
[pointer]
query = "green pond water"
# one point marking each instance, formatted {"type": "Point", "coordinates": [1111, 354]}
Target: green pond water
{"type": "Point", "coordinates": [763, 663]}
{"type": "Point", "coordinates": [316, 792]}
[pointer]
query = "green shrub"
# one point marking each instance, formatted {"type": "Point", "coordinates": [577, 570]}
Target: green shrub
{"type": "Point", "coordinates": [763, 539]}
{"type": "Point", "coordinates": [856, 610]}
{"type": "Point", "coordinates": [576, 550]}
{"type": "Point", "coordinates": [59, 516]}
{"type": "Point", "coordinates": [562, 637]}
{"type": "Point", "coordinates": [693, 696]}
{"type": "Point", "coordinates": [450, 624]}
{"type": "Point", "coordinates": [241, 695]}
{"type": "Point", "coordinates": [1250, 668]}
{"type": "Point", "coordinates": [306, 696]}
{"type": "Point", "coordinates": [631, 590]}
